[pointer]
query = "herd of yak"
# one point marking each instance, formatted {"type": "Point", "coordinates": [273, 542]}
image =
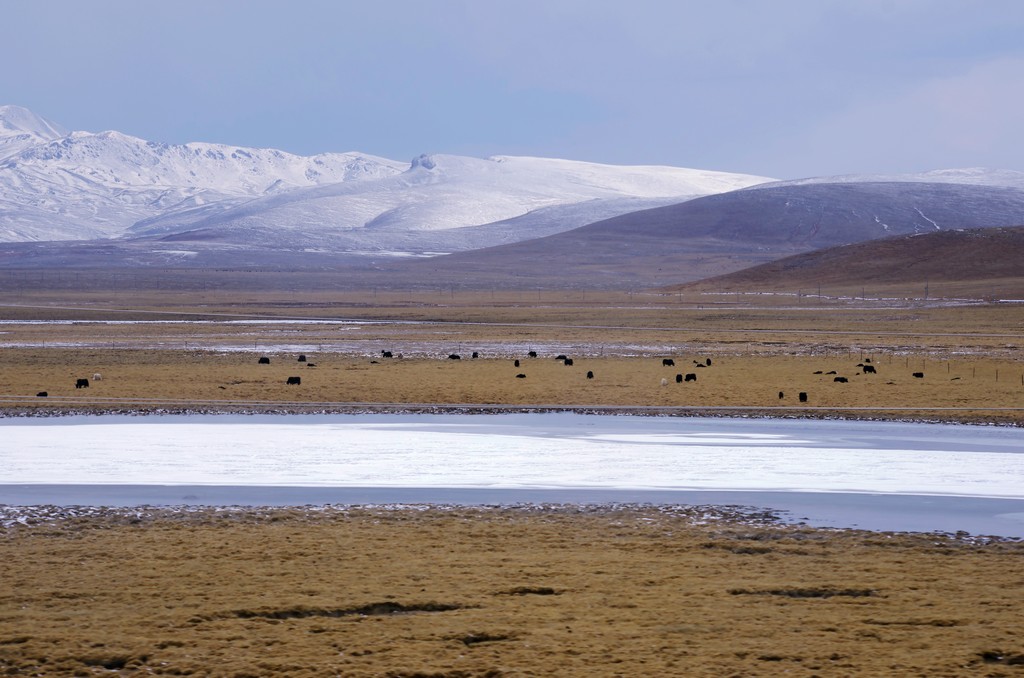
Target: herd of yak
{"type": "Point", "coordinates": [866, 366]}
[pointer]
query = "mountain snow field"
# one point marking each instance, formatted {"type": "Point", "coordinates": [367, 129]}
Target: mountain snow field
{"type": "Point", "coordinates": [61, 185]}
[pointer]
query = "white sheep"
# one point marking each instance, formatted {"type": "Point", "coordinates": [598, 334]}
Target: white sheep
{"type": "Point", "coordinates": [97, 377]}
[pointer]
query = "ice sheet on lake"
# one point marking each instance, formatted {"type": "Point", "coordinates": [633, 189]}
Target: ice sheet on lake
{"type": "Point", "coordinates": [515, 451]}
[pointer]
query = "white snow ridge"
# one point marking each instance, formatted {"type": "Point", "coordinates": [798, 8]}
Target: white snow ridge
{"type": "Point", "coordinates": [59, 185]}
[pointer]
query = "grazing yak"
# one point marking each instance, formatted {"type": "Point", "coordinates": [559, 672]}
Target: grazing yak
{"type": "Point", "coordinates": [475, 354]}
{"type": "Point", "coordinates": [386, 354]}
{"type": "Point", "coordinates": [82, 383]}
{"type": "Point", "coordinates": [668, 362]}
{"type": "Point", "coordinates": [840, 380]}
{"type": "Point", "coordinates": [567, 361]}
{"type": "Point", "coordinates": [532, 354]}
{"type": "Point", "coordinates": [679, 378]}
{"type": "Point", "coordinates": [302, 358]}
{"type": "Point", "coordinates": [690, 377]}
{"type": "Point", "coordinates": [781, 395]}
{"type": "Point", "coordinates": [561, 356]}
{"type": "Point", "coordinates": [294, 381]}
{"type": "Point", "coordinates": [590, 375]}
{"type": "Point", "coordinates": [803, 397]}
{"type": "Point", "coordinates": [264, 361]}
{"type": "Point", "coordinates": [919, 375]}
{"type": "Point", "coordinates": [516, 363]}
{"type": "Point", "coordinates": [454, 356]}
{"type": "Point", "coordinates": [42, 394]}
{"type": "Point", "coordinates": [870, 369]}
{"type": "Point", "coordinates": [520, 376]}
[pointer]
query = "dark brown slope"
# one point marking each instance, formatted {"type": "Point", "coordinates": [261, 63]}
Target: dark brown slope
{"type": "Point", "coordinates": [986, 259]}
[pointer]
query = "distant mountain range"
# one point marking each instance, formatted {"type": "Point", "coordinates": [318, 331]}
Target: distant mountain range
{"type": "Point", "coordinates": [84, 200]}
{"type": "Point", "coordinates": [59, 185]}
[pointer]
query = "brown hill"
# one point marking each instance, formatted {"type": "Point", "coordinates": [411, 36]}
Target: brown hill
{"type": "Point", "coordinates": [989, 261]}
{"type": "Point", "coordinates": [719, 234]}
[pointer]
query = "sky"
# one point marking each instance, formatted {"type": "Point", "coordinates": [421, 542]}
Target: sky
{"type": "Point", "coordinates": [778, 88]}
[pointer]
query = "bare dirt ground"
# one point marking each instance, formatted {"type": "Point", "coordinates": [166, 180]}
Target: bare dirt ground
{"type": "Point", "coordinates": [568, 591]}
{"type": "Point", "coordinates": [456, 592]}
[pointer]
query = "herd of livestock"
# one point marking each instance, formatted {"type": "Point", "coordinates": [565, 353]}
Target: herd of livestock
{"type": "Point", "coordinates": [865, 366]}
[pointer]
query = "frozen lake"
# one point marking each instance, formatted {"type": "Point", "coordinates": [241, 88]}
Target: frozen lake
{"type": "Point", "coordinates": [869, 474]}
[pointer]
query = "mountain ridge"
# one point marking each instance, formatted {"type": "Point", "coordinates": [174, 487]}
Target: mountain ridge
{"type": "Point", "coordinates": [57, 185]}
{"type": "Point", "coordinates": [100, 200]}
{"type": "Point", "coordinates": [722, 233]}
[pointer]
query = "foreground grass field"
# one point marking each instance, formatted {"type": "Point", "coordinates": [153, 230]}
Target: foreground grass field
{"type": "Point", "coordinates": [499, 592]}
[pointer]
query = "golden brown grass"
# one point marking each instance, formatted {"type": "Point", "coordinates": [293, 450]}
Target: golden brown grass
{"type": "Point", "coordinates": [204, 378]}
{"type": "Point", "coordinates": [970, 355]}
{"type": "Point", "coordinates": [468, 592]}
{"type": "Point", "coordinates": [509, 592]}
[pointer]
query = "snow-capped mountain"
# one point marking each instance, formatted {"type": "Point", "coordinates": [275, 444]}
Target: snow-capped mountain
{"type": "Point", "coordinates": [56, 185]}
{"type": "Point", "coordinates": [20, 128]}
{"type": "Point", "coordinates": [109, 199]}
{"type": "Point", "coordinates": [435, 204]}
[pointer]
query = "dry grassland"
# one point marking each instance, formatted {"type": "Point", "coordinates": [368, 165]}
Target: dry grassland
{"type": "Point", "coordinates": [970, 356]}
{"type": "Point", "coordinates": [500, 592]}
{"type": "Point", "coordinates": [457, 593]}
{"type": "Point", "coordinates": [204, 379]}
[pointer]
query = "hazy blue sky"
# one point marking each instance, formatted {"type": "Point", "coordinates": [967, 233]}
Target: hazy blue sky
{"type": "Point", "coordinates": [784, 88]}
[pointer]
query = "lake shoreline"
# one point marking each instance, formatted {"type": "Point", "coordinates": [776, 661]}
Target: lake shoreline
{"type": "Point", "coordinates": [972, 416]}
{"type": "Point", "coordinates": [987, 517]}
